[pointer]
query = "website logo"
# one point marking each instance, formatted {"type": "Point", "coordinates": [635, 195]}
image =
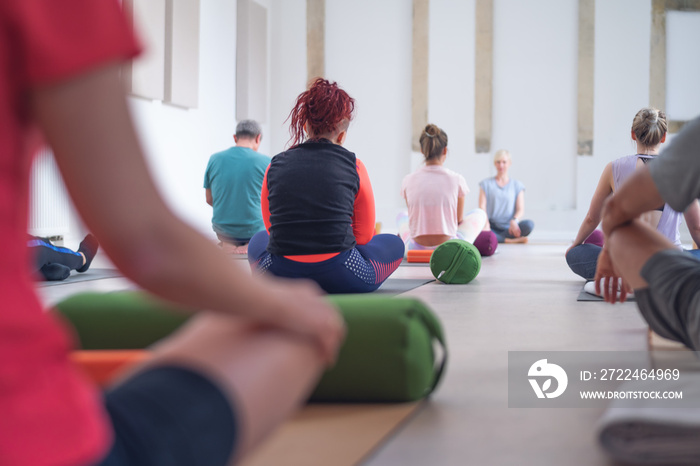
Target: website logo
{"type": "Point", "coordinates": [546, 372]}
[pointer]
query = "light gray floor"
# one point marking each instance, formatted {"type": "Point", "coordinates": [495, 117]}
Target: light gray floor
{"type": "Point", "coordinates": [523, 299]}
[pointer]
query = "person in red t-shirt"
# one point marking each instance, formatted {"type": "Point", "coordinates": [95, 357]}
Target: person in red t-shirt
{"type": "Point", "coordinates": [214, 389]}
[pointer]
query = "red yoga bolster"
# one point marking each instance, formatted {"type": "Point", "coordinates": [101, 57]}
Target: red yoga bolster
{"type": "Point", "coordinates": [421, 256]}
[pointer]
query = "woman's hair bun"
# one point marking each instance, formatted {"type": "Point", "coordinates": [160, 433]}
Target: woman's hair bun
{"type": "Point", "coordinates": [431, 130]}
{"type": "Point", "coordinates": [649, 126]}
{"type": "Point", "coordinates": [432, 141]}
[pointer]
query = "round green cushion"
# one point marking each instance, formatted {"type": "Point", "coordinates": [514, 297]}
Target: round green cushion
{"type": "Point", "coordinates": [455, 262]}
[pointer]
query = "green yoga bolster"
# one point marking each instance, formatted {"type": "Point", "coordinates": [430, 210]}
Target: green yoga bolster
{"type": "Point", "coordinates": [455, 262]}
{"type": "Point", "coordinates": [120, 320]}
{"type": "Point", "coordinates": [388, 354]}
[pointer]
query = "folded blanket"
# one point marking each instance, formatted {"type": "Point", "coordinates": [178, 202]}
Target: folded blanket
{"type": "Point", "coordinates": [642, 432]}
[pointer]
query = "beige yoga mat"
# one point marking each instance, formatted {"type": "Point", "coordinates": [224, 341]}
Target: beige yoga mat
{"type": "Point", "coordinates": [659, 343]}
{"type": "Point", "coordinates": [669, 354]}
{"type": "Point", "coordinates": [332, 434]}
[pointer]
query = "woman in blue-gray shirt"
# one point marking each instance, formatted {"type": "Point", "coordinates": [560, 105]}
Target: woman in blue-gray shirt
{"type": "Point", "coordinates": [503, 199]}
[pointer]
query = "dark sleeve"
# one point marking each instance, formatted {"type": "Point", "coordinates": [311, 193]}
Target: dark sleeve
{"type": "Point", "coordinates": [676, 173]}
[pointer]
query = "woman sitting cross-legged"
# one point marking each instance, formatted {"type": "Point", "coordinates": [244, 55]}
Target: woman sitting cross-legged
{"type": "Point", "coordinates": [435, 198]}
{"type": "Point", "coordinates": [649, 132]}
{"type": "Point", "coordinates": [503, 199]}
{"type": "Point", "coordinates": [318, 205]}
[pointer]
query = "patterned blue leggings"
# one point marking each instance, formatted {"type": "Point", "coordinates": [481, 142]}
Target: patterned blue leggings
{"type": "Point", "coordinates": [53, 262]}
{"type": "Point", "coordinates": [358, 270]}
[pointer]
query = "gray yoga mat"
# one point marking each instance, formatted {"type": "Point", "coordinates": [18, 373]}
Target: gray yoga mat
{"type": "Point", "coordinates": [394, 286]}
{"type": "Point", "coordinates": [405, 263]}
{"type": "Point", "coordinates": [391, 286]}
{"type": "Point", "coordinates": [91, 274]}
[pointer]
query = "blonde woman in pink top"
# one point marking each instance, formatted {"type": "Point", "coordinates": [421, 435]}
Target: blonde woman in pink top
{"type": "Point", "coordinates": [435, 198]}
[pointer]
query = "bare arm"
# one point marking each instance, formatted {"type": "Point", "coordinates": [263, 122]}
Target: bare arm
{"type": "Point", "coordinates": [519, 205]}
{"type": "Point", "coordinates": [482, 206]}
{"type": "Point", "coordinates": [210, 200]}
{"type": "Point", "coordinates": [87, 123]}
{"type": "Point", "coordinates": [602, 191]}
{"type": "Point", "coordinates": [514, 227]}
{"type": "Point", "coordinates": [692, 219]}
{"type": "Point", "coordinates": [460, 210]}
{"type": "Point", "coordinates": [363, 216]}
{"type": "Point", "coordinates": [637, 195]}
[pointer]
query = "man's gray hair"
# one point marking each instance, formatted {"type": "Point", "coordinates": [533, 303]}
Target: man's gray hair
{"type": "Point", "coordinates": [248, 129]}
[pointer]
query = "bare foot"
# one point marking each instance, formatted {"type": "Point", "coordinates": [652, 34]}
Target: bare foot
{"type": "Point", "coordinates": [229, 248]}
{"type": "Point", "coordinates": [521, 240]}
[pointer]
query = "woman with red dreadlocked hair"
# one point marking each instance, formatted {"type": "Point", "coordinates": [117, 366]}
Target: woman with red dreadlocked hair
{"type": "Point", "coordinates": [318, 204]}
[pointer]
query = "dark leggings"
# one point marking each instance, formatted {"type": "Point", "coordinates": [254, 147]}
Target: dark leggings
{"type": "Point", "coordinates": [170, 416]}
{"type": "Point", "coordinates": [526, 227]}
{"type": "Point", "coordinates": [53, 262]}
{"type": "Point", "coordinates": [358, 270]}
{"type": "Point", "coordinates": [583, 259]}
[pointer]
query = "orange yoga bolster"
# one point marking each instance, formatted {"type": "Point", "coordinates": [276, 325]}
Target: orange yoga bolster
{"type": "Point", "coordinates": [102, 366]}
{"type": "Point", "coordinates": [422, 256]}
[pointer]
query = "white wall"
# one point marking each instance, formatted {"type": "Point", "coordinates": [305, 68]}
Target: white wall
{"type": "Point", "coordinates": [368, 51]}
{"type": "Point", "coordinates": [535, 59]}
{"type": "Point", "coordinates": [178, 142]}
{"type": "Point", "coordinates": [451, 89]}
{"type": "Point", "coordinates": [287, 65]}
{"type": "Point", "coordinates": [682, 68]}
{"type": "Point", "coordinates": [622, 37]}
{"type": "Point", "coordinates": [534, 101]}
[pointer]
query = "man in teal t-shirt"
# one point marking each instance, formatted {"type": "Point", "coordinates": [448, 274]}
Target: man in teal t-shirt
{"type": "Point", "coordinates": [233, 182]}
